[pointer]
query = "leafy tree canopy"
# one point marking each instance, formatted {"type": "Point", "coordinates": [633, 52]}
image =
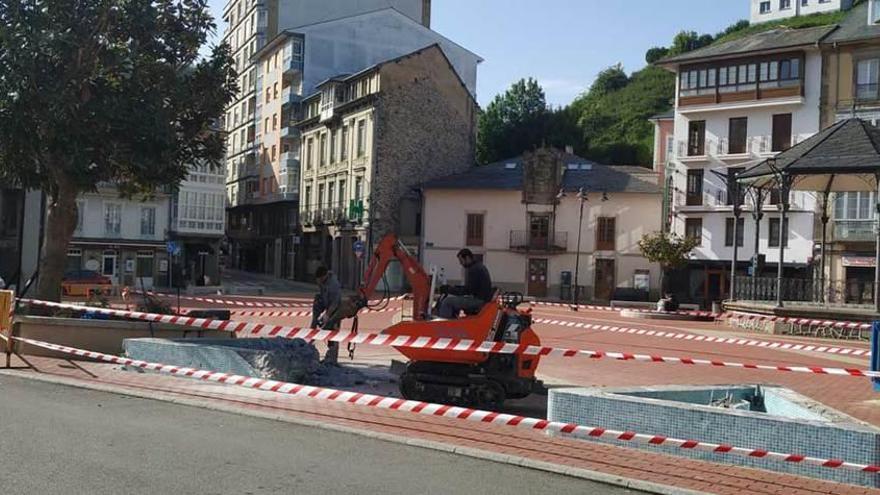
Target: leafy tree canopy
{"type": "Point", "coordinates": [667, 249]}
{"type": "Point", "coordinates": [105, 91]}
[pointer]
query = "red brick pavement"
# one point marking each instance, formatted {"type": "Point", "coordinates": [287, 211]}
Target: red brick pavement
{"type": "Point", "coordinates": [613, 460]}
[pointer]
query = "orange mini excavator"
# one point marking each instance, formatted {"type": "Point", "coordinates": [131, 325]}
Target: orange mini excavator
{"type": "Point", "coordinates": [453, 377]}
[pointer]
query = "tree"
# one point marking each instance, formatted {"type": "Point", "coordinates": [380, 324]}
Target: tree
{"type": "Point", "coordinates": [105, 91]}
{"type": "Point", "coordinates": [668, 250]}
{"type": "Point", "coordinates": [513, 122]}
{"type": "Point", "coordinates": [656, 53]}
{"type": "Point", "coordinates": [686, 41]}
{"type": "Point", "coordinates": [609, 80]}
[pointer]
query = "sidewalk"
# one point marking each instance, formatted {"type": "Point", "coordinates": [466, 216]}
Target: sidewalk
{"type": "Point", "coordinates": [637, 469]}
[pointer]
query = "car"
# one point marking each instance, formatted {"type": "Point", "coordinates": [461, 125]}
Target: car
{"type": "Point", "coordinates": [84, 282]}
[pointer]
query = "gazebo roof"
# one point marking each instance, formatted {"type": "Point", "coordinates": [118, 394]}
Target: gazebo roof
{"type": "Point", "coordinates": [842, 157]}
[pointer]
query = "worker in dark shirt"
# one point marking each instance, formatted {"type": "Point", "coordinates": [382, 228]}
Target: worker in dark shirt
{"type": "Point", "coordinates": [475, 293]}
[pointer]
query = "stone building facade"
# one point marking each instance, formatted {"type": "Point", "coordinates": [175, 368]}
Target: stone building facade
{"type": "Point", "coordinates": [368, 140]}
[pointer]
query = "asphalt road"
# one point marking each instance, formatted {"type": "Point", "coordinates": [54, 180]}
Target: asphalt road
{"type": "Point", "coordinates": [60, 439]}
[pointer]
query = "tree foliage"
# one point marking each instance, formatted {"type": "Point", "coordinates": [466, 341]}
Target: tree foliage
{"type": "Point", "coordinates": [667, 249]}
{"type": "Point", "coordinates": [520, 120]}
{"type": "Point", "coordinates": [105, 91]}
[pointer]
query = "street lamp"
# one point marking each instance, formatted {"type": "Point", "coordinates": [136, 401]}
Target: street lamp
{"type": "Point", "coordinates": [583, 198]}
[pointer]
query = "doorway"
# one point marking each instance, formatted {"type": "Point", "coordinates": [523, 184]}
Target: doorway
{"type": "Point", "coordinates": [539, 231]}
{"type": "Point", "coordinates": [108, 266]}
{"type": "Point", "coordinates": [715, 288]}
{"type": "Point", "coordinates": [537, 285]}
{"type": "Point", "coordinates": [604, 279]}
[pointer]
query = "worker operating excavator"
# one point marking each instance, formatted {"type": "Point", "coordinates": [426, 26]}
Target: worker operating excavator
{"type": "Point", "coordinates": [452, 376]}
{"type": "Point", "coordinates": [473, 295]}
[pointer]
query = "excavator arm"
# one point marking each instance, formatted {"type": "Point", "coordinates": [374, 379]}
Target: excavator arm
{"type": "Point", "coordinates": [389, 248]}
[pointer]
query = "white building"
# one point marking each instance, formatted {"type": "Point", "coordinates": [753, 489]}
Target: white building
{"type": "Point", "coordinates": [121, 239]}
{"type": "Point", "coordinates": [531, 238]}
{"type": "Point", "coordinates": [737, 103]}
{"type": "Point", "coordinates": [198, 220]}
{"type": "Point", "coordinates": [771, 10]}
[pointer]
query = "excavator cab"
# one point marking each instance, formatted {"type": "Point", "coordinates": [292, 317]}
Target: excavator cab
{"type": "Point", "coordinates": [451, 376]}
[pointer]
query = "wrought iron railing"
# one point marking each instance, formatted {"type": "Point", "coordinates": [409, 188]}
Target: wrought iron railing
{"type": "Point", "coordinates": [836, 293]}
{"type": "Point", "coordinates": [523, 240]}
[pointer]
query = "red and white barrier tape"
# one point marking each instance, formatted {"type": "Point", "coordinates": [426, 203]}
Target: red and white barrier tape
{"type": "Point", "coordinates": [786, 346]}
{"type": "Point", "coordinates": [454, 412]}
{"type": "Point", "coordinates": [276, 314]}
{"type": "Point", "coordinates": [733, 315]}
{"type": "Point", "coordinates": [595, 307]}
{"type": "Point", "coordinates": [255, 304]}
{"type": "Point", "coordinates": [444, 344]}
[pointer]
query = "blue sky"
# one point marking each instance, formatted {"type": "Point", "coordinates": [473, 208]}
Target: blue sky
{"type": "Point", "coordinates": [565, 43]}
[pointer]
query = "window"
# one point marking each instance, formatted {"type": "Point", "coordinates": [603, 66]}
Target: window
{"type": "Point", "coordinates": [361, 138]}
{"type": "Point", "coordinates": [112, 219]}
{"type": "Point", "coordinates": [330, 190]}
{"type": "Point", "coordinates": [773, 235]}
{"type": "Point", "coordinates": [144, 264]}
{"type": "Point", "coordinates": [275, 91]}
{"type": "Point", "coordinates": [358, 188]}
{"type": "Point", "coordinates": [474, 235]}
{"type": "Point", "coordinates": [320, 195]}
{"type": "Point", "coordinates": [268, 94]}
{"type": "Point", "coordinates": [728, 232]}
{"type": "Point", "coordinates": [866, 79]}
{"type": "Point", "coordinates": [605, 234]}
{"type": "Point", "coordinates": [310, 150]}
{"type": "Point", "coordinates": [322, 149]}
{"type": "Point", "coordinates": [693, 229]}
{"type": "Point", "coordinates": [266, 124]}
{"type": "Point", "coordinates": [804, 3]}
{"type": "Point", "coordinates": [333, 136]}
{"type": "Point", "coordinates": [80, 211]}
{"type": "Point", "coordinates": [696, 138]}
{"type": "Point", "coordinates": [765, 7]}
{"type": "Point", "coordinates": [737, 135]}
{"type": "Point", "coordinates": [148, 221]}
{"type": "Point", "coordinates": [274, 121]}
{"type": "Point", "coordinates": [854, 206]}
{"type": "Point", "coordinates": [341, 192]}
{"type": "Point", "coordinates": [694, 187]}
{"type": "Point", "coordinates": [74, 259]}
{"type": "Point", "coordinates": [343, 146]}
{"type": "Point", "coordinates": [781, 132]}
{"type": "Point", "coordinates": [784, 4]}
{"type": "Point", "coordinates": [274, 152]}
{"type": "Point", "coordinates": [308, 198]}
{"type": "Point", "coordinates": [732, 188]}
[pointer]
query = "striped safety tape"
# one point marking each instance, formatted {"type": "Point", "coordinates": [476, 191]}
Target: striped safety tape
{"type": "Point", "coordinates": [595, 307]}
{"type": "Point", "coordinates": [444, 344]}
{"type": "Point", "coordinates": [786, 346]}
{"type": "Point", "coordinates": [254, 304]}
{"type": "Point", "coordinates": [275, 314]}
{"type": "Point", "coordinates": [454, 412]}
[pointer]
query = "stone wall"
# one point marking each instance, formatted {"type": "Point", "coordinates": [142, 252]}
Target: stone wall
{"type": "Point", "coordinates": [425, 128]}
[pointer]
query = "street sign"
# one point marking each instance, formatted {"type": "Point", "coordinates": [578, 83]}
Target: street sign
{"type": "Point", "coordinates": [358, 248]}
{"type": "Point", "coordinates": [172, 248]}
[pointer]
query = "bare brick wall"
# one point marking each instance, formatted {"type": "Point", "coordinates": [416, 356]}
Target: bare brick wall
{"type": "Point", "coordinates": [425, 128]}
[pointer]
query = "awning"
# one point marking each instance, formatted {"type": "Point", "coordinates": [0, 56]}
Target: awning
{"type": "Point", "coordinates": [859, 261]}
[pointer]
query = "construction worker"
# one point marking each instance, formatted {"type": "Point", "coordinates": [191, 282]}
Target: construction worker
{"type": "Point", "coordinates": [473, 295]}
{"type": "Point", "coordinates": [326, 301]}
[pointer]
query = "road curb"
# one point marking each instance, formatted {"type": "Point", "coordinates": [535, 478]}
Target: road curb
{"type": "Point", "coordinates": [586, 474]}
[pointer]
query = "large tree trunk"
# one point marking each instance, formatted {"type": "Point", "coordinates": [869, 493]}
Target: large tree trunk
{"type": "Point", "coordinates": [60, 223]}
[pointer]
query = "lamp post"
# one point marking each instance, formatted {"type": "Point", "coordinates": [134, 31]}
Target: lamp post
{"type": "Point", "coordinates": [582, 197]}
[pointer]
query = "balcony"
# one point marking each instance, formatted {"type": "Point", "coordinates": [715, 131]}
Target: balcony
{"type": "Point", "coordinates": [523, 240]}
{"type": "Point", "coordinates": [292, 66]}
{"type": "Point", "coordinates": [290, 132]}
{"type": "Point", "coordinates": [330, 215]}
{"type": "Point", "coordinates": [288, 96]}
{"type": "Point", "coordinates": [854, 230]}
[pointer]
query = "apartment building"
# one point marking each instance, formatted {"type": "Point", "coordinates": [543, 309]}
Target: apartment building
{"type": "Point", "coordinates": [522, 218]}
{"type": "Point", "coordinates": [368, 139]}
{"type": "Point", "coordinates": [122, 239]}
{"type": "Point", "coordinates": [197, 223]}
{"type": "Point", "coordinates": [851, 55]}
{"type": "Point", "coordinates": [771, 10]}
{"type": "Point", "coordinates": [738, 103]}
{"type": "Point", "coordinates": [303, 44]}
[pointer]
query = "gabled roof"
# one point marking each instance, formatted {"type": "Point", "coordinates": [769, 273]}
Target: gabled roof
{"type": "Point", "coordinates": [854, 27]}
{"type": "Point", "coordinates": [507, 175]}
{"type": "Point", "coordinates": [774, 40]}
{"type": "Point", "coordinates": [349, 77]}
